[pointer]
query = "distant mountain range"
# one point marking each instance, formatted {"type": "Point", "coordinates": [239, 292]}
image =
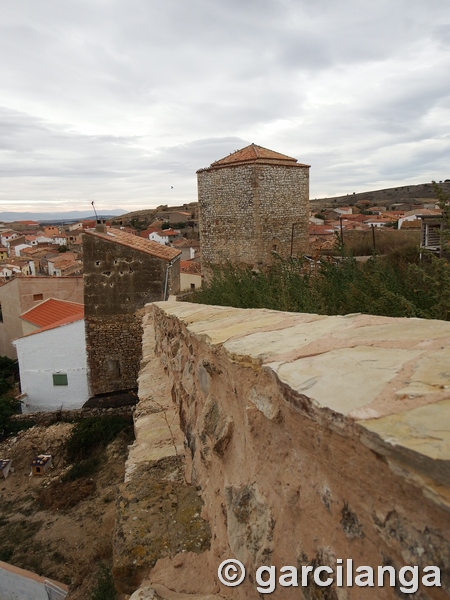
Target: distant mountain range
{"type": "Point", "coordinates": [72, 215]}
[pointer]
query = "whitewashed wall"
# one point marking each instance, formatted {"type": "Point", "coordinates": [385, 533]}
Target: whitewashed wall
{"type": "Point", "coordinates": [58, 350]}
{"type": "Point", "coordinates": [18, 584]}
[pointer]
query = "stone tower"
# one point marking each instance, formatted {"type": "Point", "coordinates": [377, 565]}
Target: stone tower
{"type": "Point", "coordinates": [252, 203]}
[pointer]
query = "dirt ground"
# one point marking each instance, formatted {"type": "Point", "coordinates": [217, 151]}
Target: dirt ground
{"type": "Point", "coordinates": [59, 529]}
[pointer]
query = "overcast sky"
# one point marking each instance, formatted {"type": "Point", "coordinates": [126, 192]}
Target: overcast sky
{"type": "Point", "coordinates": [122, 102]}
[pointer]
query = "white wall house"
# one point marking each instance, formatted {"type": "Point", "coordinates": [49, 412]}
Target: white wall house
{"type": "Point", "coordinates": [163, 236]}
{"type": "Point", "coordinates": [53, 368]}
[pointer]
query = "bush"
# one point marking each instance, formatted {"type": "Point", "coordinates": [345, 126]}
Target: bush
{"type": "Point", "coordinates": [9, 407]}
{"type": "Point", "coordinates": [85, 468]}
{"type": "Point", "coordinates": [90, 434]}
{"type": "Point", "coordinates": [396, 285]}
{"type": "Point", "coordinates": [104, 588]}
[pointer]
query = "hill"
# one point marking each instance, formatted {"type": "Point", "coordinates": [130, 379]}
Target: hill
{"type": "Point", "coordinates": [386, 197]}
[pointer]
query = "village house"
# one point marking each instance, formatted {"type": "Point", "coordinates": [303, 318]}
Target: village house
{"type": "Point", "coordinates": [175, 216]}
{"type": "Point", "coordinates": [6, 237]}
{"type": "Point", "coordinates": [122, 273]}
{"type": "Point", "coordinates": [190, 276]}
{"type": "Point", "coordinates": [415, 215]}
{"type": "Point", "coordinates": [163, 236]}
{"type": "Point", "coordinates": [190, 249]}
{"type": "Point", "coordinates": [52, 357]}
{"type": "Point", "coordinates": [23, 293]}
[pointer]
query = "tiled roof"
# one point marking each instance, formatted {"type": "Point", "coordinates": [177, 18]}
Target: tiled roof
{"type": "Point", "coordinates": [164, 232]}
{"type": "Point", "coordinates": [52, 311]}
{"type": "Point", "coordinates": [137, 243]}
{"type": "Point", "coordinates": [183, 243]}
{"type": "Point", "coordinates": [255, 154]}
{"type": "Point", "coordinates": [65, 321]}
{"type": "Point", "coordinates": [191, 268]}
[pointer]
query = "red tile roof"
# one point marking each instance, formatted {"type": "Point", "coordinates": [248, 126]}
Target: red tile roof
{"type": "Point", "coordinates": [191, 268]}
{"type": "Point", "coordinates": [66, 321]}
{"type": "Point", "coordinates": [255, 154]}
{"type": "Point", "coordinates": [52, 311]}
{"type": "Point", "coordinates": [137, 243]}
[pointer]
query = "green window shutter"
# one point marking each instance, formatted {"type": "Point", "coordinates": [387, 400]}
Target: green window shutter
{"type": "Point", "coordinates": [60, 379]}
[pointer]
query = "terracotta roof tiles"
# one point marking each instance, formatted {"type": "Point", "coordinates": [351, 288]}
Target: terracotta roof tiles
{"type": "Point", "coordinates": [255, 154]}
{"type": "Point", "coordinates": [53, 311]}
{"type": "Point", "coordinates": [137, 243]}
{"type": "Point", "coordinates": [191, 268]}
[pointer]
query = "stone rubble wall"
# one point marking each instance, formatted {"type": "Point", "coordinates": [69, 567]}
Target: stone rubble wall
{"type": "Point", "coordinates": [248, 211]}
{"type": "Point", "coordinates": [308, 438]}
{"type": "Point", "coordinates": [69, 416]}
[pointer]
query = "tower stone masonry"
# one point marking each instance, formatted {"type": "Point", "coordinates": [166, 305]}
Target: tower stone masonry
{"type": "Point", "coordinates": [253, 203]}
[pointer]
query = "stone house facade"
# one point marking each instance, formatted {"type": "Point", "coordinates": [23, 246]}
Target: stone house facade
{"type": "Point", "coordinates": [122, 273]}
{"type": "Point", "coordinates": [252, 203]}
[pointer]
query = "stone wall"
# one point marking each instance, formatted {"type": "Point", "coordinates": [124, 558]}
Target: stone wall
{"type": "Point", "coordinates": [310, 438]}
{"type": "Point", "coordinates": [118, 282]}
{"type": "Point", "coordinates": [247, 211]}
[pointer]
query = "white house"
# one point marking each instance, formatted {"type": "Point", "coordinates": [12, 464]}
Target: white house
{"type": "Point", "coordinates": [21, 247]}
{"type": "Point", "coordinates": [164, 236]}
{"type": "Point", "coordinates": [52, 359]}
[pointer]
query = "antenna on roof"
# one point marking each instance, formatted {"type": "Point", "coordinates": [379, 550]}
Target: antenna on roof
{"type": "Point", "coordinates": [96, 216]}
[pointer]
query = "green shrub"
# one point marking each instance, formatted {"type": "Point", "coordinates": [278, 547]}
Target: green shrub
{"type": "Point", "coordinates": [396, 285]}
{"type": "Point", "coordinates": [84, 468]}
{"type": "Point", "coordinates": [96, 432]}
{"type": "Point", "coordinates": [104, 588]}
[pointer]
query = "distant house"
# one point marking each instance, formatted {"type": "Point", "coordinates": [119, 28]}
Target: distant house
{"type": "Point", "coordinates": [22, 293]}
{"type": "Point", "coordinates": [190, 275]}
{"type": "Point", "coordinates": [413, 215]}
{"type": "Point", "coordinates": [343, 210]}
{"type": "Point", "coordinates": [52, 357]}
{"type": "Point", "coordinates": [175, 216]}
{"type": "Point", "coordinates": [163, 236]}
{"type": "Point", "coordinates": [122, 272]}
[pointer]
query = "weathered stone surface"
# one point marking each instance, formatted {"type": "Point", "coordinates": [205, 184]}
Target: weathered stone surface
{"type": "Point", "coordinates": [158, 513]}
{"type": "Point", "coordinates": [118, 281]}
{"type": "Point", "coordinates": [263, 206]}
{"type": "Point", "coordinates": [311, 439]}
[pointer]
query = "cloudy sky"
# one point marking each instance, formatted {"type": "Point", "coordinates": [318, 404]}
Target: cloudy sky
{"type": "Point", "coordinates": [122, 101]}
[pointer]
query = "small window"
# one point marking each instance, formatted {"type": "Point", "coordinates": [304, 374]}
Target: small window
{"type": "Point", "coordinates": [60, 379]}
{"type": "Point", "coordinates": [37, 297]}
{"type": "Point", "coordinates": [113, 366]}
{"type": "Point", "coordinates": [192, 286]}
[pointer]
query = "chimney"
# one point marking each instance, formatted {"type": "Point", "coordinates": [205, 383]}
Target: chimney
{"type": "Point", "coordinates": [101, 226]}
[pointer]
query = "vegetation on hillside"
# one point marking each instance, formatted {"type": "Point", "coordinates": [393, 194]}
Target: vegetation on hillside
{"type": "Point", "coordinates": [396, 285]}
{"type": "Point", "coordinates": [8, 404]}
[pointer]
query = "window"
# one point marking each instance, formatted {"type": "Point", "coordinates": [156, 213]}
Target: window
{"type": "Point", "coordinates": [37, 297]}
{"type": "Point", "coordinates": [113, 367]}
{"type": "Point", "coordinates": [60, 379]}
{"type": "Point", "coordinates": [192, 286]}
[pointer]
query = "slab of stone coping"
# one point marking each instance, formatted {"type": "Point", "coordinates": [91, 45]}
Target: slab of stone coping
{"type": "Point", "coordinates": [160, 592]}
{"type": "Point", "coordinates": [349, 378]}
{"type": "Point", "coordinates": [345, 379]}
{"type": "Point", "coordinates": [216, 324]}
{"type": "Point", "coordinates": [424, 430]}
